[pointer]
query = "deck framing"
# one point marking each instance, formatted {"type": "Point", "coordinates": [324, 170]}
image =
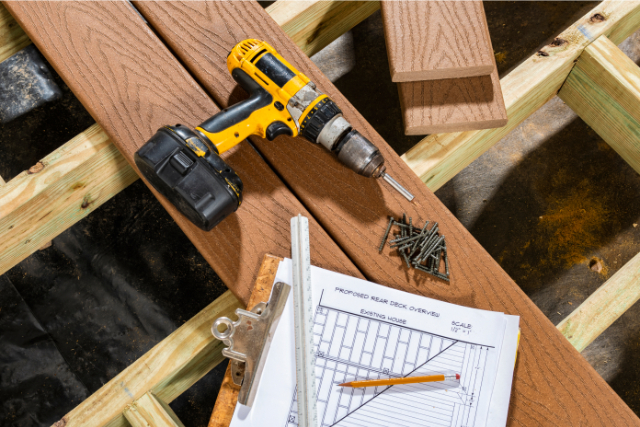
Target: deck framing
{"type": "Point", "coordinates": [436, 159]}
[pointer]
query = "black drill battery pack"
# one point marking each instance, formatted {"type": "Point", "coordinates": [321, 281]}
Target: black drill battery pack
{"type": "Point", "coordinates": [204, 188]}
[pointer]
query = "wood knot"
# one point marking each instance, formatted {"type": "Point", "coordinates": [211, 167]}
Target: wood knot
{"type": "Point", "coordinates": [558, 42]}
{"type": "Point", "coordinates": [86, 202]}
{"type": "Point", "coordinates": [542, 53]}
{"type": "Point", "coordinates": [36, 168]}
{"type": "Point", "coordinates": [61, 423]}
{"type": "Point", "coordinates": [597, 17]}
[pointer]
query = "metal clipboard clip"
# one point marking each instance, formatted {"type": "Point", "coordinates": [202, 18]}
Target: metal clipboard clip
{"type": "Point", "coordinates": [248, 340]}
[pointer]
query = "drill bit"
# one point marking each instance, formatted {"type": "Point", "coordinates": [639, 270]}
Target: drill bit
{"type": "Point", "coordinates": [397, 186]}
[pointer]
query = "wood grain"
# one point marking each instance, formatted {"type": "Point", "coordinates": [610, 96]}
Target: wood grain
{"type": "Point", "coordinates": [64, 187]}
{"type": "Point", "coordinates": [132, 85]}
{"type": "Point", "coordinates": [553, 384]}
{"type": "Point", "coordinates": [438, 158]}
{"type": "Point", "coordinates": [431, 40]}
{"type": "Point", "coordinates": [67, 158]}
{"type": "Point", "coordinates": [312, 25]}
{"type": "Point", "coordinates": [149, 411]}
{"type": "Point", "coordinates": [452, 105]}
{"type": "Point", "coordinates": [12, 37]}
{"type": "Point", "coordinates": [228, 394]}
{"type": "Point", "coordinates": [604, 89]}
{"type": "Point", "coordinates": [604, 306]}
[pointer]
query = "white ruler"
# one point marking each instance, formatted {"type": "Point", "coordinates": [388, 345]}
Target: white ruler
{"type": "Point", "coordinates": [303, 322]}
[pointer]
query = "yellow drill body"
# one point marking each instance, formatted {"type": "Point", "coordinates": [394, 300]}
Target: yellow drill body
{"type": "Point", "coordinates": [245, 56]}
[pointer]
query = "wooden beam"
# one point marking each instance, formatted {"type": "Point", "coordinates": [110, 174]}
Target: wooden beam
{"type": "Point", "coordinates": [167, 370]}
{"type": "Point", "coordinates": [604, 306]}
{"type": "Point", "coordinates": [57, 192]}
{"type": "Point", "coordinates": [604, 89]}
{"type": "Point", "coordinates": [65, 159]}
{"type": "Point", "coordinates": [149, 411]}
{"type": "Point", "coordinates": [126, 102]}
{"type": "Point", "coordinates": [312, 25]}
{"type": "Point", "coordinates": [432, 40]}
{"type": "Point", "coordinates": [12, 37]}
{"type": "Point", "coordinates": [438, 158]}
{"type": "Point", "coordinates": [356, 215]}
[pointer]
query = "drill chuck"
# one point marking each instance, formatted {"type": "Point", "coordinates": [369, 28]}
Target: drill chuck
{"type": "Point", "coordinates": [360, 155]}
{"type": "Point", "coordinates": [325, 125]}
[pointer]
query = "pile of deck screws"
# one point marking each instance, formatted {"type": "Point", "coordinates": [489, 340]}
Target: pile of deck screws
{"type": "Point", "coordinates": [423, 249]}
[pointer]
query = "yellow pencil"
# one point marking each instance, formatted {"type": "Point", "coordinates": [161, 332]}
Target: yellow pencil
{"type": "Point", "coordinates": [405, 380]}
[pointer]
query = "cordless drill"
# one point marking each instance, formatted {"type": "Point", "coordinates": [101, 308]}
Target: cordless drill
{"type": "Point", "coordinates": [185, 165]}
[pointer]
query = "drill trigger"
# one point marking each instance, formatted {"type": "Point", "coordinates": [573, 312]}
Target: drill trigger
{"type": "Point", "coordinates": [277, 128]}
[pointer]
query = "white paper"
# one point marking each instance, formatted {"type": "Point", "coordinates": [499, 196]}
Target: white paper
{"type": "Point", "coordinates": [365, 331]}
{"type": "Point", "coordinates": [499, 408]}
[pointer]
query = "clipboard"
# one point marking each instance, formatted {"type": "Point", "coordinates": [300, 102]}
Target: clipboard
{"type": "Point", "coordinates": [228, 394]}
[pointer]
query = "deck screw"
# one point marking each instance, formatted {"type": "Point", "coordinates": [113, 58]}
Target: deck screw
{"type": "Point", "coordinates": [419, 246]}
{"type": "Point", "coordinates": [386, 234]}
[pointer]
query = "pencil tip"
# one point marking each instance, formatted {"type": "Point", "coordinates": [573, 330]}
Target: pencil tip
{"type": "Point", "coordinates": [345, 385]}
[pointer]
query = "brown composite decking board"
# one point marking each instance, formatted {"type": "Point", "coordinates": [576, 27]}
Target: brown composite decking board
{"type": "Point", "coordinates": [428, 40]}
{"type": "Point", "coordinates": [132, 85]}
{"type": "Point", "coordinates": [452, 105]}
{"type": "Point", "coordinates": [553, 384]}
{"type": "Point", "coordinates": [440, 53]}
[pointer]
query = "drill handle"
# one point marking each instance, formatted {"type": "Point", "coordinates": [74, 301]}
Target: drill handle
{"type": "Point", "coordinates": [237, 113]}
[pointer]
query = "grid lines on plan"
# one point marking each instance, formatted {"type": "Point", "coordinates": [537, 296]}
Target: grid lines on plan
{"type": "Point", "coordinates": [351, 347]}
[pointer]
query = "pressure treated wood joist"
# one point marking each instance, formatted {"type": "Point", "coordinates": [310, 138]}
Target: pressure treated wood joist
{"type": "Point", "coordinates": [604, 306]}
{"type": "Point", "coordinates": [356, 216]}
{"type": "Point", "coordinates": [312, 25]}
{"type": "Point", "coordinates": [61, 189]}
{"type": "Point", "coordinates": [151, 411]}
{"type": "Point", "coordinates": [438, 158]}
{"type": "Point", "coordinates": [140, 392]}
{"type": "Point", "coordinates": [604, 89]}
{"type": "Point", "coordinates": [12, 37]}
